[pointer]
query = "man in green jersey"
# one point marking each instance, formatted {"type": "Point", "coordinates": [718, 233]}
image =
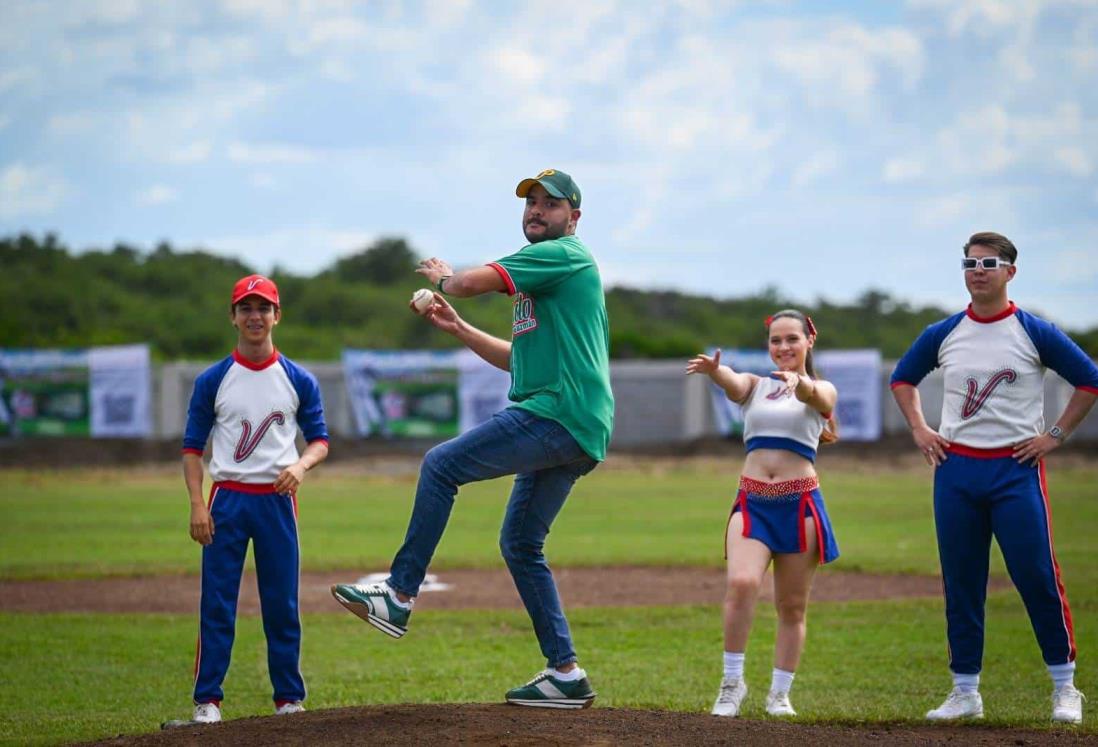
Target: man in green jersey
{"type": "Point", "coordinates": [556, 432]}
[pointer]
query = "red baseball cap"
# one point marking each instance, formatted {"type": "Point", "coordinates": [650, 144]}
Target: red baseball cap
{"type": "Point", "coordinates": [255, 285]}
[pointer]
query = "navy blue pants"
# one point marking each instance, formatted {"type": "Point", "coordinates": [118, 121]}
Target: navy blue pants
{"type": "Point", "coordinates": [270, 521]}
{"type": "Point", "coordinates": [975, 498]}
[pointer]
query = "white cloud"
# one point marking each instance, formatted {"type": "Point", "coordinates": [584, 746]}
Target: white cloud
{"type": "Point", "coordinates": [19, 76]}
{"type": "Point", "coordinates": [263, 180]}
{"type": "Point", "coordinates": [158, 194]}
{"type": "Point", "coordinates": [982, 17]}
{"type": "Point", "coordinates": [193, 153]}
{"type": "Point", "coordinates": [1074, 160]}
{"type": "Point", "coordinates": [268, 153]}
{"type": "Point", "coordinates": [901, 169]}
{"type": "Point", "coordinates": [941, 211]}
{"type": "Point", "coordinates": [29, 190]}
{"type": "Point", "coordinates": [294, 249]}
{"type": "Point", "coordinates": [72, 123]}
{"type": "Point", "coordinates": [818, 165]}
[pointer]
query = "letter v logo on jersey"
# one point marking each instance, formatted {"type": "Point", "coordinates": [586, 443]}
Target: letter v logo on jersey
{"type": "Point", "coordinates": [975, 397]}
{"type": "Point", "coordinates": [248, 443]}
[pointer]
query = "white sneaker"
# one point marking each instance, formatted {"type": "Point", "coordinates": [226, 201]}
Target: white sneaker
{"type": "Point", "coordinates": [1067, 705]}
{"type": "Point", "coordinates": [777, 704]}
{"type": "Point", "coordinates": [958, 705]}
{"type": "Point", "coordinates": [207, 713]}
{"type": "Point", "coordinates": [730, 698]}
{"type": "Point", "coordinates": [293, 707]}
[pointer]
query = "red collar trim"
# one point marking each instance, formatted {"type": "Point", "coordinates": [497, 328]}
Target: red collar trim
{"type": "Point", "coordinates": [255, 366]}
{"type": "Point", "coordinates": [1008, 311]}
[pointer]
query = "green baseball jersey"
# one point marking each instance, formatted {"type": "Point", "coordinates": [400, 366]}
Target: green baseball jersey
{"type": "Point", "coordinates": [560, 339]}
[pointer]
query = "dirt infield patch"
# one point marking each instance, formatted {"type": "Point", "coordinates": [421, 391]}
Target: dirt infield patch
{"type": "Point", "coordinates": [482, 724]}
{"type": "Point", "coordinates": [471, 589]}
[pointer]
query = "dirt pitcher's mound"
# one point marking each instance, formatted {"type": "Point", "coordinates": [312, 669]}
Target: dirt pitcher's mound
{"type": "Point", "coordinates": [606, 586]}
{"type": "Point", "coordinates": [481, 724]}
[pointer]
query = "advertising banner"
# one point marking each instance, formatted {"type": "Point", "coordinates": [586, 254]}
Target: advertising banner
{"type": "Point", "coordinates": [98, 392]}
{"type": "Point", "coordinates": [421, 394]}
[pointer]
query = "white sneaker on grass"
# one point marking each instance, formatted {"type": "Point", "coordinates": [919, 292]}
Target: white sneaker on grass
{"type": "Point", "coordinates": [291, 707]}
{"type": "Point", "coordinates": [957, 705]}
{"type": "Point", "coordinates": [777, 704]}
{"type": "Point", "coordinates": [730, 698]}
{"type": "Point", "coordinates": [1067, 705]}
{"type": "Point", "coordinates": [206, 713]}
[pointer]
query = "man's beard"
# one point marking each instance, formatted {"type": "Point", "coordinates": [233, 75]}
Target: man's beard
{"type": "Point", "coordinates": [549, 232]}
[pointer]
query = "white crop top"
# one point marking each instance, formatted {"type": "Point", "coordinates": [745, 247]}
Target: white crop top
{"type": "Point", "coordinates": [775, 419]}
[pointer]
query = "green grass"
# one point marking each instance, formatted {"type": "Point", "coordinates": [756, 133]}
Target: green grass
{"type": "Point", "coordinates": [111, 523]}
{"type": "Point", "coordinates": [73, 677]}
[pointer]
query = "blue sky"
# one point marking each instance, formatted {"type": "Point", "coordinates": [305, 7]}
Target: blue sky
{"type": "Point", "coordinates": [820, 147]}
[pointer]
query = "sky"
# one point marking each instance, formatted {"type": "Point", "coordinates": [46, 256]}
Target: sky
{"type": "Point", "coordinates": [819, 148]}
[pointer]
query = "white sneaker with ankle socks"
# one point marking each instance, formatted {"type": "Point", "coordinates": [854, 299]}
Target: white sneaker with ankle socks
{"type": "Point", "coordinates": [777, 703]}
{"type": "Point", "coordinates": [958, 704]}
{"type": "Point", "coordinates": [730, 697]}
{"type": "Point", "coordinates": [1067, 705]}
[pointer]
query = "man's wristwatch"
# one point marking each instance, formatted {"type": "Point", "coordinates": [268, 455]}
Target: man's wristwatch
{"type": "Point", "coordinates": [1058, 433]}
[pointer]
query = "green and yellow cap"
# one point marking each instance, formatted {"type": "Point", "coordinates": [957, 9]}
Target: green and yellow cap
{"type": "Point", "coordinates": [556, 183]}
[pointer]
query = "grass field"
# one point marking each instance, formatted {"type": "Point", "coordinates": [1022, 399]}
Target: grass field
{"type": "Point", "coordinates": [73, 677]}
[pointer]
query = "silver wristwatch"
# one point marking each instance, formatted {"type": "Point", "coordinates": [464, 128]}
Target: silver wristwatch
{"type": "Point", "coordinates": [1058, 433]}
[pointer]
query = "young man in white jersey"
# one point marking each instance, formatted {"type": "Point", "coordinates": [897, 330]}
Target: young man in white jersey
{"type": "Point", "coordinates": [989, 476]}
{"type": "Point", "coordinates": [252, 403]}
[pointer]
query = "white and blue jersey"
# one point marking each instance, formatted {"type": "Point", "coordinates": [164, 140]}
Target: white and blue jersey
{"type": "Point", "coordinates": [994, 399]}
{"type": "Point", "coordinates": [994, 374]}
{"type": "Point", "coordinates": [253, 412]}
{"type": "Point", "coordinates": [773, 418]}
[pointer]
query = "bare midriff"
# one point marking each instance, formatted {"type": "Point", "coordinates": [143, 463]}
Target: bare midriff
{"type": "Point", "coordinates": [777, 465]}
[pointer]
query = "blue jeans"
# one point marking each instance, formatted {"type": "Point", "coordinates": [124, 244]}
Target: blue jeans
{"type": "Point", "coordinates": [547, 461]}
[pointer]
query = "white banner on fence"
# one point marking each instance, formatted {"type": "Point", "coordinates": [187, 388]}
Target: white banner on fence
{"type": "Point", "coordinates": [102, 392]}
{"type": "Point", "coordinates": [119, 391]}
{"type": "Point", "coordinates": [482, 389]}
{"type": "Point", "coordinates": [425, 394]}
{"type": "Point", "coordinates": [855, 374]}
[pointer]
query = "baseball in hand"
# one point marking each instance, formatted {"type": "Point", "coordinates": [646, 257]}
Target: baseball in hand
{"type": "Point", "coordinates": [422, 299]}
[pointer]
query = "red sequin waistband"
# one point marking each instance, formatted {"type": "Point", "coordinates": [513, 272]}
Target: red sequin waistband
{"type": "Point", "coordinates": [777, 489]}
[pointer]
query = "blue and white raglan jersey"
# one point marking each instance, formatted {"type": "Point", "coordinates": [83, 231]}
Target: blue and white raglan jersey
{"type": "Point", "coordinates": [994, 374]}
{"type": "Point", "coordinates": [253, 411]}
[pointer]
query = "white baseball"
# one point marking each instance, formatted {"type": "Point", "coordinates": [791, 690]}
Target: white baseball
{"type": "Point", "coordinates": [421, 299]}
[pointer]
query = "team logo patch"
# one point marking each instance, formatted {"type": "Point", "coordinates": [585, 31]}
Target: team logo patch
{"type": "Point", "coordinates": [523, 319]}
{"type": "Point", "coordinates": [248, 442]}
{"type": "Point", "coordinates": [975, 396]}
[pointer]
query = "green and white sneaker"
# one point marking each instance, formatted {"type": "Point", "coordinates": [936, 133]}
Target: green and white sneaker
{"type": "Point", "coordinates": [546, 691]}
{"type": "Point", "coordinates": [376, 604]}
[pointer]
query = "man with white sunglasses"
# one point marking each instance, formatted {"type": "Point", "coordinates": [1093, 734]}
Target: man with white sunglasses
{"type": "Point", "coordinates": [989, 476]}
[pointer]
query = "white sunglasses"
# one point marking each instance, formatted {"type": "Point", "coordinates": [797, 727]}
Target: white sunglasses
{"type": "Point", "coordinates": [986, 263]}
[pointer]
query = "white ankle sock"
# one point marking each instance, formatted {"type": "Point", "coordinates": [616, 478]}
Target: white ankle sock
{"type": "Point", "coordinates": [967, 683]}
{"type": "Point", "coordinates": [733, 665]}
{"type": "Point", "coordinates": [1062, 674]}
{"type": "Point", "coordinates": [575, 674]}
{"type": "Point", "coordinates": [396, 600]}
{"type": "Point", "coordinates": [780, 681]}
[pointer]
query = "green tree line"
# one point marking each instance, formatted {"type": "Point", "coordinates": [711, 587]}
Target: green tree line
{"type": "Point", "coordinates": [177, 301]}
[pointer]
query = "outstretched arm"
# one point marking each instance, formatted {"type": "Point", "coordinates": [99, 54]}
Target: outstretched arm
{"type": "Point", "coordinates": [737, 386]}
{"type": "Point", "coordinates": [463, 283]}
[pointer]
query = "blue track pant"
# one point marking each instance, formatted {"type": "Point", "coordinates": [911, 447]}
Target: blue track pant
{"type": "Point", "coordinates": [270, 521]}
{"type": "Point", "coordinates": [975, 498]}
